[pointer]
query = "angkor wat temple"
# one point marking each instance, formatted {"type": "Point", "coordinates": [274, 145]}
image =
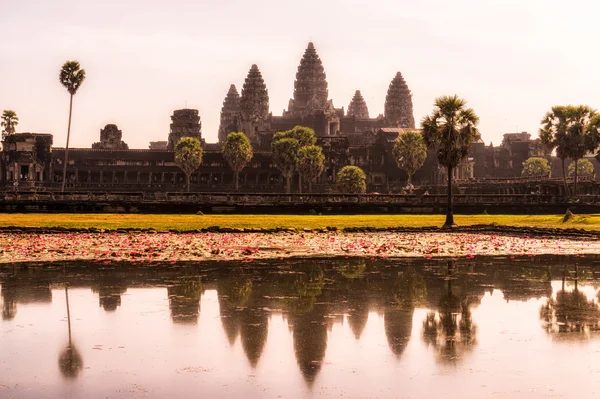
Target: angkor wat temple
{"type": "Point", "coordinates": [348, 137]}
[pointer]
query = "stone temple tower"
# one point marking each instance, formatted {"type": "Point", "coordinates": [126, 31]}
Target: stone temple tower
{"type": "Point", "coordinates": [254, 104]}
{"type": "Point", "coordinates": [184, 123]}
{"type": "Point", "coordinates": [230, 114]}
{"type": "Point", "coordinates": [310, 86]}
{"type": "Point", "coordinates": [358, 107]}
{"type": "Point", "coordinates": [398, 104]}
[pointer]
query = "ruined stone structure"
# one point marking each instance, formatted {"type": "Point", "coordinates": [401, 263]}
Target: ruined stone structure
{"type": "Point", "coordinates": [230, 114]}
{"type": "Point", "coordinates": [398, 104]}
{"type": "Point", "coordinates": [358, 107]}
{"type": "Point", "coordinates": [351, 138]}
{"type": "Point", "coordinates": [254, 105]}
{"type": "Point", "coordinates": [184, 123]}
{"type": "Point", "coordinates": [110, 139]}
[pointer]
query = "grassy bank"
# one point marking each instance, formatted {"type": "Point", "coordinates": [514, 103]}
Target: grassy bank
{"type": "Point", "coordinates": [190, 222]}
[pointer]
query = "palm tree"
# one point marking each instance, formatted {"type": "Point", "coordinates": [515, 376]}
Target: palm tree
{"type": "Point", "coordinates": [9, 121]}
{"type": "Point", "coordinates": [451, 129]}
{"type": "Point", "coordinates": [571, 130]}
{"type": "Point", "coordinates": [71, 77]}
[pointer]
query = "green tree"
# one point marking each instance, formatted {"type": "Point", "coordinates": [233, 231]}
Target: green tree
{"type": "Point", "coordinates": [536, 167]}
{"type": "Point", "coordinates": [351, 180]}
{"type": "Point", "coordinates": [237, 151]}
{"type": "Point", "coordinates": [285, 157]}
{"type": "Point", "coordinates": [9, 122]}
{"type": "Point", "coordinates": [584, 168]}
{"type": "Point", "coordinates": [451, 129]}
{"type": "Point", "coordinates": [305, 137]}
{"type": "Point", "coordinates": [71, 76]}
{"type": "Point", "coordinates": [410, 152]}
{"type": "Point", "coordinates": [573, 131]}
{"type": "Point", "coordinates": [311, 163]}
{"type": "Point", "coordinates": [188, 156]}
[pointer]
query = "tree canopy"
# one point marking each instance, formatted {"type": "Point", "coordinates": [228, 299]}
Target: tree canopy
{"type": "Point", "coordinates": [311, 163]}
{"type": "Point", "coordinates": [285, 148]}
{"type": "Point", "coordinates": [584, 168]}
{"type": "Point", "coordinates": [71, 76]}
{"type": "Point", "coordinates": [352, 180]}
{"type": "Point", "coordinates": [9, 120]}
{"type": "Point", "coordinates": [188, 156]}
{"type": "Point", "coordinates": [410, 152]}
{"type": "Point", "coordinates": [573, 131]}
{"type": "Point", "coordinates": [237, 151]}
{"type": "Point", "coordinates": [451, 130]}
{"type": "Point", "coordinates": [536, 167]}
{"type": "Point", "coordinates": [285, 157]}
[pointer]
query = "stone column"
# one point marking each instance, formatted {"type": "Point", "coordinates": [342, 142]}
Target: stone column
{"type": "Point", "coordinates": [125, 177]}
{"type": "Point", "coordinates": [150, 178]}
{"type": "Point", "coordinates": [138, 177]}
{"type": "Point", "coordinates": [162, 177]}
{"type": "Point", "coordinates": [114, 176]}
{"type": "Point", "coordinates": [101, 177]}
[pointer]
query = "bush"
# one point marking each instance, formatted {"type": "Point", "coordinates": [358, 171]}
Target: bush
{"type": "Point", "coordinates": [352, 180]}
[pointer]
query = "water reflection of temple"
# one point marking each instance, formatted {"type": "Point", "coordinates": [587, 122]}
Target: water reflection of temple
{"type": "Point", "coordinates": [314, 296]}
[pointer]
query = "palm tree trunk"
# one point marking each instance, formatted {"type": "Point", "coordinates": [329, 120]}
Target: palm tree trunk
{"type": "Point", "coordinates": [310, 186]}
{"type": "Point", "coordinates": [568, 194]}
{"type": "Point", "coordinates": [575, 183]}
{"type": "Point", "coordinates": [68, 313]}
{"type": "Point", "coordinates": [288, 184]}
{"type": "Point", "coordinates": [449, 214]}
{"type": "Point", "coordinates": [187, 181]}
{"type": "Point", "coordinates": [237, 179]}
{"type": "Point", "coordinates": [299, 183]}
{"type": "Point", "coordinates": [64, 178]}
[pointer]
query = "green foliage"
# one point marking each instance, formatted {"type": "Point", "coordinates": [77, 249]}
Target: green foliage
{"type": "Point", "coordinates": [536, 167]}
{"type": "Point", "coordinates": [71, 76]}
{"type": "Point", "coordinates": [285, 148]}
{"type": "Point", "coordinates": [237, 151]}
{"type": "Point", "coordinates": [352, 180]}
{"type": "Point", "coordinates": [573, 130]}
{"type": "Point", "coordinates": [584, 168]}
{"type": "Point", "coordinates": [410, 152]}
{"type": "Point", "coordinates": [285, 157]}
{"type": "Point", "coordinates": [9, 121]}
{"type": "Point", "coordinates": [304, 135]}
{"type": "Point", "coordinates": [188, 156]}
{"type": "Point", "coordinates": [451, 129]}
{"type": "Point", "coordinates": [311, 162]}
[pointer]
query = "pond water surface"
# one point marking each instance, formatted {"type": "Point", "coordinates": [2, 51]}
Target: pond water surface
{"type": "Point", "coordinates": [506, 328]}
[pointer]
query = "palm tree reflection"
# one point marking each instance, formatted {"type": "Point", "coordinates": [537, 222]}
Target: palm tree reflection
{"type": "Point", "coordinates": [450, 330]}
{"type": "Point", "coordinates": [69, 360]}
{"type": "Point", "coordinates": [571, 315]}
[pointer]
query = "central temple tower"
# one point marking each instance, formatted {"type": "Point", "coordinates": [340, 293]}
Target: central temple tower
{"type": "Point", "coordinates": [310, 86]}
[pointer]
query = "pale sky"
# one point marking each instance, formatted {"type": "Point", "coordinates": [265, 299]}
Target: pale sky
{"type": "Point", "coordinates": [510, 59]}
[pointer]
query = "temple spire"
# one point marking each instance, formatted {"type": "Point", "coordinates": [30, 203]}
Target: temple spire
{"type": "Point", "coordinates": [398, 104]}
{"type": "Point", "coordinates": [254, 104]}
{"type": "Point", "coordinates": [358, 107]}
{"type": "Point", "coordinates": [310, 86]}
{"type": "Point", "coordinates": [229, 114]}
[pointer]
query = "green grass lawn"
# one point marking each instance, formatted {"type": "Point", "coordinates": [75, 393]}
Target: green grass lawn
{"type": "Point", "coordinates": [190, 222]}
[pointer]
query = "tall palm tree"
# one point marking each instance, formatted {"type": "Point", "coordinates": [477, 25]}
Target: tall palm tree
{"type": "Point", "coordinates": [451, 129]}
{"type": "Point", "coordinates": [9, 121]}
{"type": "Point", "coordinates": [570, 129]}
{"type": "Point", "coordinates": [71, 77]}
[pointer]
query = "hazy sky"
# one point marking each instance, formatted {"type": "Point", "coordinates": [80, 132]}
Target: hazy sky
{"type": "Point", "coordinates": [511, 59]}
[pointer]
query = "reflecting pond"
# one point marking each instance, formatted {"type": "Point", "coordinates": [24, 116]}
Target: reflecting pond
{"type": "Point", "coordinates": [486, 327]}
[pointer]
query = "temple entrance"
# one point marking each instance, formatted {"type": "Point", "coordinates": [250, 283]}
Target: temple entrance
{"type": "Point", "coordinates": [24, 172]}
